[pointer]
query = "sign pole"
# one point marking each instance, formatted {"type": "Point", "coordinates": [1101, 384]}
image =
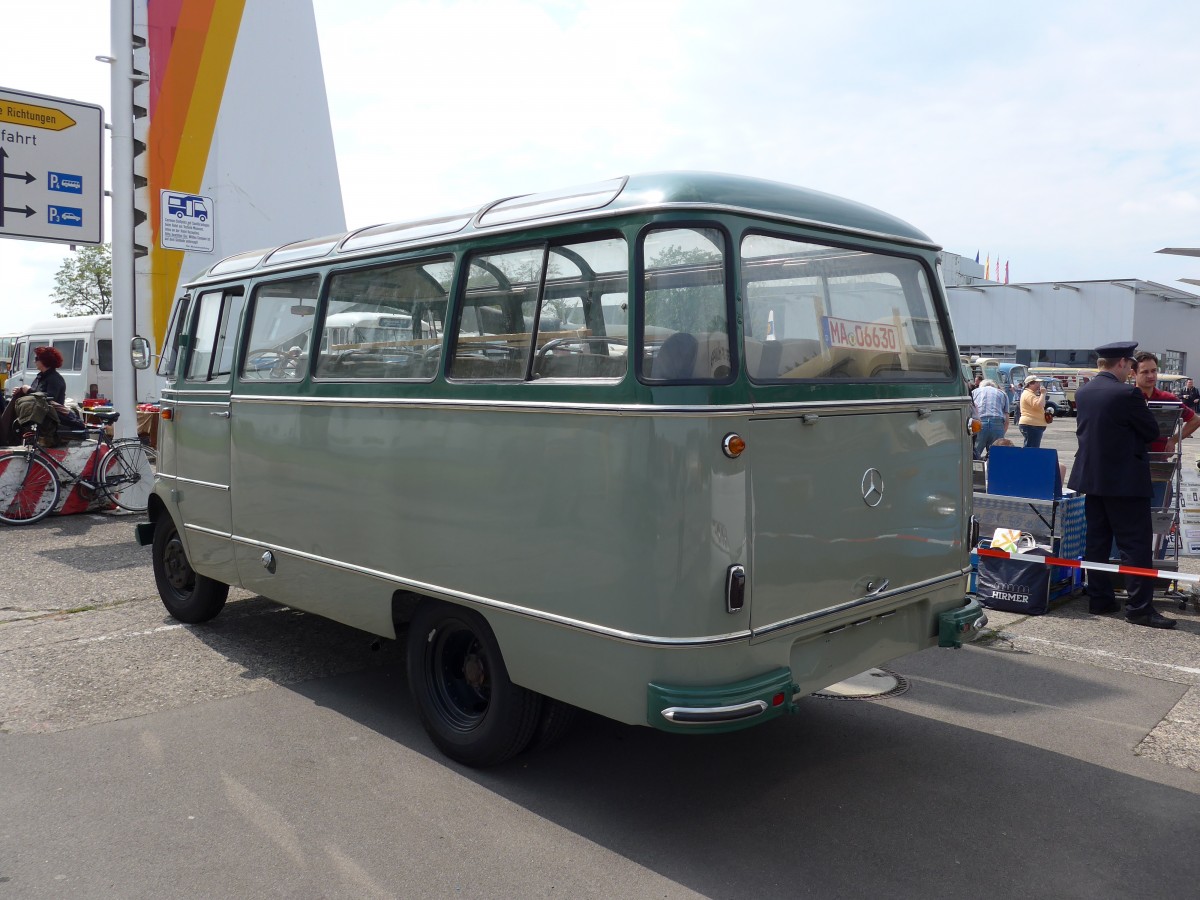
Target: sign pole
{"type": "Point", "coordinates": [123, 300]}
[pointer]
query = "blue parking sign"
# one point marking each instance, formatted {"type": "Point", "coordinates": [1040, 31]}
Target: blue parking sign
{"type": "Point", "coordinates": [65, 215]}
{"type": "Point", "coordinates": [64, 182]}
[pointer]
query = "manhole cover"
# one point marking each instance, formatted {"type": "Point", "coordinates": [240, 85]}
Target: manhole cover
{"type": "Point", "coordinates": [873, 684]}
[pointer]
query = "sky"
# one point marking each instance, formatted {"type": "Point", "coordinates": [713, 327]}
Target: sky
{"type": "Point", "coordinates": [1061, 137]}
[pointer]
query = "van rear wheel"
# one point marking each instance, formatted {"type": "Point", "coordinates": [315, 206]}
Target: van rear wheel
{"type": "Point", "coordinates": [460, 685]}
{"type": "Point", "coordinates": [188, 597]}
{"type": "Point", "coordinates": [556, 720]}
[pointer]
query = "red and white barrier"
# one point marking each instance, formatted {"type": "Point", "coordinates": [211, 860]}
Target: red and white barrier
{"type": "Point", "coordinates": [72, 496]}
{"type": "Point", "coordinates": [1091, 566]}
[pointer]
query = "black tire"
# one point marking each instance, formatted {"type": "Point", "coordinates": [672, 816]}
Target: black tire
{"type": "Point", "coordinates": [556, 720]}
{"type": "Point", "coordinates": [460, 685]}
{"type": "Point", "coordinates": [188, 597]}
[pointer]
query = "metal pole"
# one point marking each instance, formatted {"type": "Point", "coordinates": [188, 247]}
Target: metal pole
{"type": "Point", "coordinates": [124, 303]}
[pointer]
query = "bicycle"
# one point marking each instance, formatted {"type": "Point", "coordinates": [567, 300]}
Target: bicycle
{"type": "Point", "coordinates": [31, 479]}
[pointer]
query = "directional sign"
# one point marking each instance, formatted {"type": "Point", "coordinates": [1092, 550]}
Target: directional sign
{"type": "Point", "coordinates": [51, 169]}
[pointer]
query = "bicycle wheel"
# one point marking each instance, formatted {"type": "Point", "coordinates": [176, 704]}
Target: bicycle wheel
{"type": "Point", "coordinates": [151, 453]}
{"type": "Point", "coordinates": [28, 488]}
{"type": "Point", "coordinates": [126, 476]}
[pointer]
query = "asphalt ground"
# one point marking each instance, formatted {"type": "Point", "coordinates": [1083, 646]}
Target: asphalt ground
{"type": "Point", "coordinates": [271, 753]}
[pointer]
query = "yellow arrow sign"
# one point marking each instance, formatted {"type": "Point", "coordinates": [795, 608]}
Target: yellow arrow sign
{"type": "Point", "coordinates": [35, 116]}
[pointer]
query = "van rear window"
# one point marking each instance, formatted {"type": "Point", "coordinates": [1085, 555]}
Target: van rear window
{"type": "Point", "coordinates": [819, 312]}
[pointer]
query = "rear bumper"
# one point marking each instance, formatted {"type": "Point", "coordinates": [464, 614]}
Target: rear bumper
{"type": "Point", "coordinates": [716, 708]}
{"type": "Point", "coordinates": [962, 625]}
{"type": "Point", "coordinates": [730, 707]}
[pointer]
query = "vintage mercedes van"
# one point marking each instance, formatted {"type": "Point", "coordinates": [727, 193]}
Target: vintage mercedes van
{"type": "Point", "coordinates": [676, 448]}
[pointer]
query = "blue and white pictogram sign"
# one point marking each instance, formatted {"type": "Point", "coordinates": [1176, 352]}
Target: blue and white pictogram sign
{"type": "Point", "coordinates": [186, 222]}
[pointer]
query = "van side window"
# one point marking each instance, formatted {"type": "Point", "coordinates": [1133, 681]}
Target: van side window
{"type": "Point", "coordinates": [225, 348]}
{"type": "Point", "coordinates": [72, 351]}
{"type": "Point", "coordinates": [281, 325]}
{"type": "Point", "coordinates": [207, 317]}
{"type": "Point", "coordinates": [582, 326]}
{"type": "Point", "coordinates": [685, 319]}
{"type": "Point", "coordinates": [214, 335]}
{"type": "Point", "coordinates": [170, 354]}
{"type": "Point", "coordinates": [385, 322]}
{"type": "Point", "coordinates": [815, 311]}
{"type": "Point", "coordinates": [104, 355]}
{"type": "Point", "coordinates": [495, 324]}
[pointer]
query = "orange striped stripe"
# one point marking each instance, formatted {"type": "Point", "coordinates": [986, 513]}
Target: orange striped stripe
{"type": "Point", "coordinates": [175, 93]}
{"type": "Point", "coordinates": [181, 133]}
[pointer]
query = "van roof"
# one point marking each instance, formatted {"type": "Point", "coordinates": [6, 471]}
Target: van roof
{"type": "Point", "coordinates": [648, 191]}
{"type": "Point", "coordinates": [65, 323]}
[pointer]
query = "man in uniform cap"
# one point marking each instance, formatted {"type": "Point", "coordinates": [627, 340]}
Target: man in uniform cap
{"type": "Point", "coordinates": [1112, 469]}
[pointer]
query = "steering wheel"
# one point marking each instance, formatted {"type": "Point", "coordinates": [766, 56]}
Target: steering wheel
{"type": "Point", "coordinates": [282, 365]}
{"type": "Point", "coordinates": [558, 342]}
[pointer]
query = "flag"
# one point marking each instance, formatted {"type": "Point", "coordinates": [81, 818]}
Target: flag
{"type": "Point", "coordinates": [1006, 262]}
{"type": "Point", "coordinates": [976, 257]}
{"type": "Point", "coordinates": [770, 325]}
{"type": "Point", "coordinates": [987, 268]}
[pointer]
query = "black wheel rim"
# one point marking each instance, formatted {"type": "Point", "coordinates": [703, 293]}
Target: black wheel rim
{"type": "Point", "coordinates": [459, 675]}
{"type": "Point", "coordinates": [177, 569]}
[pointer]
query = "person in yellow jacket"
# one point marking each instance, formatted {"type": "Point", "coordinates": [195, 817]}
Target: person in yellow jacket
{"type": "Point", "coordinates": [1033, 412]}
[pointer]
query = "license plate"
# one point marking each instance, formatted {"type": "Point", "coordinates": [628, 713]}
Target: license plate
{"type": "Point", "coordinates": [860, 335]}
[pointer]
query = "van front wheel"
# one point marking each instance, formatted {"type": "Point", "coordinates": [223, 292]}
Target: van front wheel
{"type": "Point", "coordinates": [460, 685]}
{"type": "Point", "coordinates": [189, 597]}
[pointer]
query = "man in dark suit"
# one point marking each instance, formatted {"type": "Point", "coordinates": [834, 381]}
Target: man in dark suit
{"type": "Point", "coordinates": [1114, 425]}
{"type": "Point", "coordinates": [1190, 396]}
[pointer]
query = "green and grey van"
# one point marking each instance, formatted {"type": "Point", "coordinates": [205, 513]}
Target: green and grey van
{"type": "Point", "coordinates": [675, 448]}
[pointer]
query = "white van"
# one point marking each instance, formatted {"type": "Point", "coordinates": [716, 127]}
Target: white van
{"type": "Point", "coordinates": [85, 343]}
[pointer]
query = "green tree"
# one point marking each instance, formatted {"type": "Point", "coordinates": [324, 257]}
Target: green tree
{"type": "Point", "coordinates": [83, 283]}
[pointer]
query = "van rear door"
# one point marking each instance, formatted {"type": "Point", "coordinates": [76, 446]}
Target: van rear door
{"type": "Point", "coordinates": [852, 504]}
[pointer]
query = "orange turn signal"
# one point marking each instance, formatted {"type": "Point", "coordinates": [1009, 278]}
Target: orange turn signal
{"type": "Point", "coordinates": [166, 414]}
{"type": "Point", "coordinates": [733, 446]}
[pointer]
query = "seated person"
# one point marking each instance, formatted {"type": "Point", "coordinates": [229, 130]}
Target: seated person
{"type": "Point", "coordinates": [47, 380]}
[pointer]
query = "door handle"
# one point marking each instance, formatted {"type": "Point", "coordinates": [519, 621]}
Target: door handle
{"type": "Point", "coordinates": [223, 415]}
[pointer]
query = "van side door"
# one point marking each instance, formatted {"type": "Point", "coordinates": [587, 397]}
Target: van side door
{"type": "Point", "coordinates": [201, 433]}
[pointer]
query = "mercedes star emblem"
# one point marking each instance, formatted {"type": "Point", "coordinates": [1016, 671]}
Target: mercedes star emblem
{"type": "Point", "coordinates": [872, 487]}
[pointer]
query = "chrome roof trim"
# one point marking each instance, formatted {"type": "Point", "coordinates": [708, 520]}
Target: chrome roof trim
{"type": "Point", "coordinates": [585, 216]}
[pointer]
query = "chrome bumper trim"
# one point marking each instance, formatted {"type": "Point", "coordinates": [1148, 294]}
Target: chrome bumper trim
{"type": "Point", "coordinates": [711, 715]}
